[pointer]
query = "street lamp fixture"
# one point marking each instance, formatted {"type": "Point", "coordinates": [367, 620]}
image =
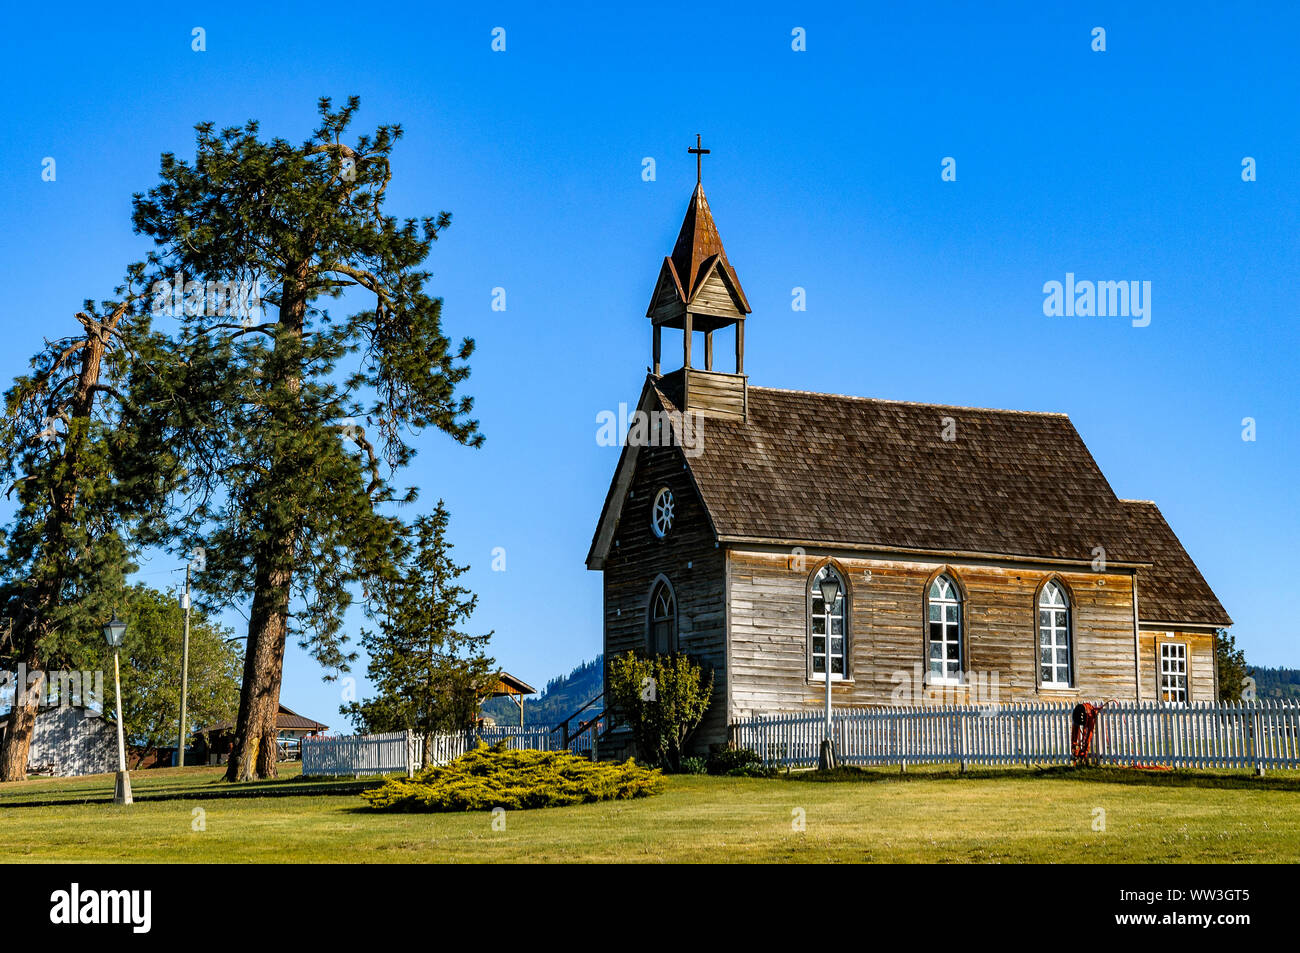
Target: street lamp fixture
{"type": "Point", "coordinates": [114, 634]}
{"type": "Point", "coordinates": [115, 631]}
{"type": "Point", "coordinates": [830, 587]}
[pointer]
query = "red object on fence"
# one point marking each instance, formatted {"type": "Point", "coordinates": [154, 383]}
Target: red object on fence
{"type": "Point", "coordinates": [1083, 724]}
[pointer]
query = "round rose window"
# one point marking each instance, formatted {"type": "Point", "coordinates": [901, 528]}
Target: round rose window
{"type": "Point", "coordinates": [661, 513]}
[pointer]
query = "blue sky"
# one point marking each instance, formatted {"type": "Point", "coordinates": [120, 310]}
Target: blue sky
{"type": "Point", "coordinates": [825, 175]}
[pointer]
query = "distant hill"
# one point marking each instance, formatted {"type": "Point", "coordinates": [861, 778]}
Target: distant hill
{"type": "Point", "coordinates": [560, 699]}
{"type": "Point", "coordinates": [1275, 682]}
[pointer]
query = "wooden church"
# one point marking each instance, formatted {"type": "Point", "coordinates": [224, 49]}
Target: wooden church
{"type": "Point", "coordinates": [971, 548]}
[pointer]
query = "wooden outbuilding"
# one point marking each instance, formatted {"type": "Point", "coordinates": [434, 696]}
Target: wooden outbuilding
{"type": "Point", "coordinates": [508, 686]}
{"type": "Point", "coordinates": [212, 744]}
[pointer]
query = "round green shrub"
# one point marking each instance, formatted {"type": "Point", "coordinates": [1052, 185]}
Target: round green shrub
{"type": "Point", "coordinates": [505, 777]}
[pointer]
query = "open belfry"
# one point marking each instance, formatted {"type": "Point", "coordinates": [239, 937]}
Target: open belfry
{"type": "Point", "coordinates": [973, 550]}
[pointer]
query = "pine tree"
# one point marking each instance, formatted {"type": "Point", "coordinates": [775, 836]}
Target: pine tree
{"type": "Point", "coordinates": [430, 676]}
{"type": "Point", "coordinates": [65, 551]}
{"type": "Point", "coordinates": [285, 431]}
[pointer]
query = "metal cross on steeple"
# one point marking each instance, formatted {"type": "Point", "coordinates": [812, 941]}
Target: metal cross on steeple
{"type": "Point", "coordinates": [699, 155]}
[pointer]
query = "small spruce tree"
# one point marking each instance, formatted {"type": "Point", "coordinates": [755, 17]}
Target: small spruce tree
{"type": "Point", "coordinates": [429, 675]}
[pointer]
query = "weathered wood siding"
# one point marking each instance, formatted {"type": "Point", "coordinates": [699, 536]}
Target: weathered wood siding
{"type": "Point", "coordinates": [768, 632]}
{"type": "Point", "coordinates": [665, 304]}
{"type": "Point", "coordinates": [1200, 661]}
{"type": "Point", "coordinates": [688, 558]}
{"type": "Point", "coordinates": [714, 297]}
{"type": "Point", "coordinates": [714, 392]}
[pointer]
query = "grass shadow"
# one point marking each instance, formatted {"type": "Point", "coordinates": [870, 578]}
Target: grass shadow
{"type": "Point", "coordinates": [1180, 778]}
{"type": "Point", "coordinates": [211, 791]}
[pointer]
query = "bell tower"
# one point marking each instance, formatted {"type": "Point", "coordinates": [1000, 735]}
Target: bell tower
{"type": "Point", "coordinates": [698, 290]}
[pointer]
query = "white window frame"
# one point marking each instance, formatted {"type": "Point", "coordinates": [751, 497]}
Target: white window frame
{"type": "Point", "coordinates": [948, 626]}
{"type": "Point", "coordinates": [1174, 665]}
{"type": "Point", "coordinates": [1055, 637]}
{"type": "Point", "coordinates": [828, 621]}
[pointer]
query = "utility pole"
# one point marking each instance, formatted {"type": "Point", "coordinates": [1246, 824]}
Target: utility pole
{"type": "Point", "coordinates": [185, 671]}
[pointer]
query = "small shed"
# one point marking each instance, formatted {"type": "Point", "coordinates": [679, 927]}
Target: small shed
{"type": "Point", "coordinates": [508, 686]}
{"type": "Point", "coordinates": [69, 741]}
{"type": "Point", "coordinates": [213, 744]}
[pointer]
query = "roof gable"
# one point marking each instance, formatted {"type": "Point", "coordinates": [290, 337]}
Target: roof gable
{"type": "Point", "coordinates": [616, 497]}
{"type": "Point", "coordinates": [716, 292]}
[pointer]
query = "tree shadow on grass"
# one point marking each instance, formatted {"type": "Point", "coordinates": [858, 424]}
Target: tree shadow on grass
{"type": "Point", "coordinates": [1182, 778]}
{"type": "Point", "coordinates": [288, 787]}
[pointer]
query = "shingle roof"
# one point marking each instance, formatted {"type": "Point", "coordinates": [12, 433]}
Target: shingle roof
{"type": "Point", "coordinates": [828, 469]}
{"type": "Point", "coordinates": [1172, 589]}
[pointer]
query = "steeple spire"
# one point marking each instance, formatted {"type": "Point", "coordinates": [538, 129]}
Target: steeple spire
{"type": "Point", "coordinates": [698, 290]}
{"type": "Point", "coordinates": [697, 250]}
{"type": "Point", "coordinates": [698, 243]}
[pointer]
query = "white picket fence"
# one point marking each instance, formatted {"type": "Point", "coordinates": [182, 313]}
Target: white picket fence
{"type": "Point", "coordinates": [528, 738]}
{"type": "Point", "coordinates": [359, 755]}
{"type": "Point", "coordinates": [1256, 735]}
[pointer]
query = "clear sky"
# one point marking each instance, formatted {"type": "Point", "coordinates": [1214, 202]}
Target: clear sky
{"type": "Point", "coordinates": [825, 175]}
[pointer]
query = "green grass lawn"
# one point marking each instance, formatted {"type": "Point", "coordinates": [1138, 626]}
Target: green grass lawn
{"type": "Point", "coordinates": [929, 815]}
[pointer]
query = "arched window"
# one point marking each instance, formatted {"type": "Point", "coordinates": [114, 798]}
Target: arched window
{"type": "Point", "coordinates": [944, 616]}
{"type": "Point", "coordinates": [1054, 637]}
{"type": "Point", "coordinates": [827, 622]}
{"type": "Point", "coordinates": [663, 620]}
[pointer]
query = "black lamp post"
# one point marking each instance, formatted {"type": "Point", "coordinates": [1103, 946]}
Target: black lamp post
{"type": "Point", "coordinates": [830, 587]}
{"type": "Point", "coordinates": [115, 632]}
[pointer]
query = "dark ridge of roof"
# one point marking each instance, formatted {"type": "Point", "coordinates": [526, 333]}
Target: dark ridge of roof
{"type": "Point", "coordinates": [1172, 589]}
{"type": "Point", "coordinates": [911, 403]}
{"type": "Point", "coordinates": [861, 471]}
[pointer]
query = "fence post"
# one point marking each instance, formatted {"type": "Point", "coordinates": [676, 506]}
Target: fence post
{"type": "Point", "coordinates": [1255, 727]}
{"type": "Point", "coordinates": [1027, 734]}
{"type": "Point", "coordinates": [904, 736]}
{"type": "Point", "coordinates": [961, 737]}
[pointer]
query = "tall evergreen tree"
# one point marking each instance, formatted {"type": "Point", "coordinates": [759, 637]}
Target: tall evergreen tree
{"type": "Point", "coordinates": [65, 551]}
{"type": "Point", "coordinates": [287, 429]}
{"type": "Point", "coordinates": [430, 676]}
